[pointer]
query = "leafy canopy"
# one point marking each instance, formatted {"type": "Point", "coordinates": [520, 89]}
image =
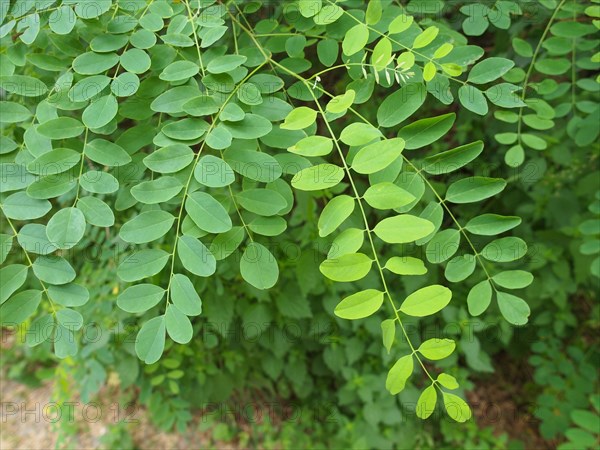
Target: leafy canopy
{"type": "Point", "coordinates": [189, 129]}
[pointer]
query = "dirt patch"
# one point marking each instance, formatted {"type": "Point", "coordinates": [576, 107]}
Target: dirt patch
{"type": "Point", "coordinates": [30, 421]}
{"type": "Point", "coordinates": [500, 402]}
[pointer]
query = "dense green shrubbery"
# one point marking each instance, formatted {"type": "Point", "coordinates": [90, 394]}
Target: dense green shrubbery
{"type": "Point", "coordinates": [299, 166]}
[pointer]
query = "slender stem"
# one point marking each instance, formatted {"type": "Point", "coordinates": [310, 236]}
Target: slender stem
{"type": "Point", "coordinates": [367, 229]}
{"type": "Point", "coordinates": [85, 139]}
{"type": "Point", "coordinates": [358, 199]}
{"type": "Point", "coordinates": [530, 68]}
{"type": "Point", "coordinates": [191, 19]}
{"type": "Point", "coordinates": [191, 175]}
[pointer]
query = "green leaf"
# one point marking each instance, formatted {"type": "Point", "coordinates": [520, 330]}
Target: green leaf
{"type": "Point", "coordinates": [341, 103]}
{"type": "Point", "coordinates": [473, 99]}
{"type": "Point", "coordinates": [196, 257]}
{"type": "Point", "coordinates": [106, 153]}
{"type": "Point", "coordinates": [65, 343]}
{"type": "Point", "coordinates": [226, 63]}
{"type": "Point", "coordinates": [456, 407]}
{"type": "Point", "coordinates": [150, 341]}
{"type": "Point", "coordinates": [382, 54]}
{"type": "Point", "coordinates": [264, 202]}
{"type": "Point", "coordinates": [207, 213]}
{"type": "Point", "coordinates": [213, 172]}
{"type": "Point", "coordinates": [360, 305]}
{"type": "Point", "coordinates": [399, 374]}
{"type": "Point", "coordinates": [406, 265]}
{"type": "Point", "coordinates": [443, 246]}
{"type": "Point", "coordinates": [403, 229]}
{"type": "Point", "coordinates": [268, 226]}
{"type": "Point", "coordinates": [70, 294]}
{"type": "Point", "coordinates": [62, 20]}
{"type": "Point", "coordinates": [388, 195]}
{"type": "Point", "coordinates": [178, 325]}
{"type": "Point", "coordinates": [19, 206]}
{"type": "Point", "coordinates": [359, 134]}
{"type": "Point", "coordinates": [312, 146]}
{"type": "Point", "coordinates": [388, 333]}
{"type": "Point", "coordinates": [377, 156]}
{"type": "Point", "coordinates": [259, 267]}
{"type": "Point", "coordinates": [505, 249]}
{"type": "Point", "coordinates": [299, 119]}
{"type": "Point", "coordinates": [53, 270]}
{"type": "Point", "coordinates": [66, 228]}
{"type": "Point", "coordinates": [552, 66]}
{"type": "Point", "coordinates": [479, 298]}
{"type": "Point", "coordinates": [350, 267]}
{"type": "Point", "coordinates": [50, 186]}
{"type": "Point", "coordinates": [335, 213]}
{"type": "Point", "coordinates": [374, 12]}
{"type": "Point", "coordinates": [474, 189]}
{"type": "Point", "coordinates": [11, 278]}
{"type": "Point", "coordinates": [157, 191]}
{"type": "Point", "coordinates": [227, 243]}
{"type": "Point", "coordinates": [308, 8]}
{"type": "Point", "coordinates": [142, 264]}
{"type": "Point", "coordinates": [6, 243]}
{"type": "Point", "coordinates": [426, 402]}
{"type": "Point", "coordinates": [22, 85]}
{"type": "Point", "coordinates": [147, 227]}
{"type": "Point", "coordinates": [15, 177]}
{"type": "Point", "coordinates": [186, 129]}
{"type": "Point", "coordinates": [13, 112]}
{"type": "Point", "coordinates": [426, 37]}
{"type": "Point", "coordinates": [426, 301]}
{"type": "Point", "coordinates": [202, 105]}
{"type": "Point", "coordinates": [54, 161]}
{"type": "Point", "coordinates": [426, 131]}
{"type": "Point", "coordinates": [20, 307]}
{"type": "Point", "coordinates": [328, 14]}
{"type": "Point", "coordinates": [91, 63]}
{"type": "Point", "coordinates": [100, 112]}
{"type": "Point", "coordinates": [585, 419]}
{"type": "Point", "coordinates": [514, 309]}
{"type": "Point", "coordinates": [400, 23]}
{"type": "Point", "coordinates": [179, 71]}
{"type": "Point", "coordinates": [33, 239]}
{"type": "Point", "coordinates": [69, 319]}
{"type": "Point", "coordinates": [170, 159]}
{"type": "Point", "coordinates": [355, 40]}
{"type": "Point", "coordinates": [513, 279]}
{"type": "Point", "coordinates": [173, 101]}
{"type": "Point", "coordinates": [99, 182]}
{"type": "Point", "coordinates": [135, 60]}
{"type": "Point", "coordinates": [489, 70]}
{"type": "Point", "coordinates": [401, 105]}
{"type": "Point", "coordinates": [448, 381]}
{"type": "Point", "coordinates": [460, 268]}
{"type": "Point", "coordinates": [522, 47]}
{"type": "Point", "coordinates": [505, 96]}
{"type": "Point", "coordinates": [96, 212]}
{"type": "Point", "coordinates": [184, 295]}
{"type": "Point", "coordinates": [88, 88]}
{"type": "Point", "coordinates": [40, 330]}
{"type": "Point", "coordinates": [436, 349]}
{"type": "Point", "coordinates": [61, 128]}
{"type": "Point", "coordinates": [348, 241]}
{"type": "Point", "coordinates": [316, 178]}
{"type": "Point", "coordinates": [492, 224]}
{"type": "Point", "coordinates": [257, 166]}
